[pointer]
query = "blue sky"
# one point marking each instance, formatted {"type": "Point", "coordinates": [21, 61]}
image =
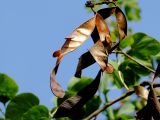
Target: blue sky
{"type": "Point", "coordinates": [31, 30]}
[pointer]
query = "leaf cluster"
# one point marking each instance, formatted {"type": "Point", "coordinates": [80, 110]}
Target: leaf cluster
{"type": "Point", "coordinates": [24, 106]}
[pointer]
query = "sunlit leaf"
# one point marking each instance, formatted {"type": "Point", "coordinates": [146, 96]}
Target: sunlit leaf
{"type": "Point", "coordinates": [144, 46]}
{"type": "Point", "coordinates": [126, 42]}
{"type": "Point", "coordinates": [122, 23]}
{"type": "Point", "coordinates": [8, 88]}
{"type": "Point", "coordinates": [141, 91]}
{"type": "Point", "coordinates": [72, 105]}
{"type": "Point", "coordinates": [19, 105]}
{"type": "Point", "coordinates": [76, 84]}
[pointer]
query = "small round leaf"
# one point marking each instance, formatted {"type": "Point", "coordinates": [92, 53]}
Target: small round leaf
{"type": "Point", "coordinates": [8, 88]}
{"type": "Point", "coordinates": [19, 105]}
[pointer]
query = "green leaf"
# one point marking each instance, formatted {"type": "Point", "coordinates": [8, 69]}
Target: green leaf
{"type": "Point", "coordinates": [130, 76]}
{"type": "Point", "coordinates": [136, 68]}
{"type": "Point", "coordinates": [126, 109]}
{"type": "Point", "coordinates": [38, 112]}
{"type": "Point", "coordinates": [8, 88]}
{"type": "Point", "coordinates": [144, 47]}
{"type": "Point", "coordinates": [132, 10]}
{"type": "Point", "coordinates": [126, 42]}
{"type": "Point", "coordinates": [76, 84]}
{"type": "Point", "coordinates": [117, 80]}
{"type": "Point", "coordinates": [19, 105]}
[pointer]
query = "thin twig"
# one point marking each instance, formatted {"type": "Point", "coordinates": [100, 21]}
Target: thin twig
{"type": "Point", "coordinates": [95, 113]}
{"type": "Point", "coordinates": [121, 52]}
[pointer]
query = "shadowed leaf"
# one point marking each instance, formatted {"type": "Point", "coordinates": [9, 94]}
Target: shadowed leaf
{"type": "Point", "coordinates": [72, 105]}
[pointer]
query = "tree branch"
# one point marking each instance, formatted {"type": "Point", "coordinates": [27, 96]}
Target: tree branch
{"type": "Point", "coordinates": [95, 113]}
{"type": "Point", "coordinates": [125, 54]}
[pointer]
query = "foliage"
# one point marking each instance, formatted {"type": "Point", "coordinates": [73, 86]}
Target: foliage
{"type": "Point", "coordinates": [125, 72]}
{"type": "Point", "coordinates": [24, 106]}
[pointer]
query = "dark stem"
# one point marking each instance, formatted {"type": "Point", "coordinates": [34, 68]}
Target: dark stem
{"type": "Point", "coordinates": [95, 113]}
